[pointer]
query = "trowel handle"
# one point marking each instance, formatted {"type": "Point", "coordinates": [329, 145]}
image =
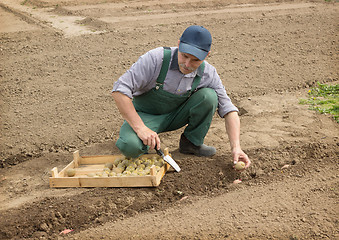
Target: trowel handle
{"type": "Point", "coordinates": [159, 152]}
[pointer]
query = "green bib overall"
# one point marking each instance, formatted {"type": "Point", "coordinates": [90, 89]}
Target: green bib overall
{"type": "Point", "coordinates": [162, 111]}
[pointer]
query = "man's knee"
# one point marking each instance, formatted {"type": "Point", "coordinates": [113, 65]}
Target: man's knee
{"type": "Point", "coordinates": [131, 147]}
{"type": "Point", "coordinates": [209, 97]}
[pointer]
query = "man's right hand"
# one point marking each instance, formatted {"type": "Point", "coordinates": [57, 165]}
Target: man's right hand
{"type": "Point", "coordinates": [128, 112]}
{"type": "Point", "coordinates": [149, 137]}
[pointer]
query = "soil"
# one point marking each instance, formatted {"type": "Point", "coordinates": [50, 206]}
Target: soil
{"type": "Point", "coordinates": [59, 60]}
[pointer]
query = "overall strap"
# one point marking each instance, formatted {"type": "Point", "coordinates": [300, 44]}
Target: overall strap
{"type": "Point", "coordinates": [164, 68]}
{"type": "Point", "coordinates": [197, 78]}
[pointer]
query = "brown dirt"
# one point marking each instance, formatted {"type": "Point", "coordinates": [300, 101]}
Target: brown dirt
{"type": "Point", "coordinates": [59, 60]}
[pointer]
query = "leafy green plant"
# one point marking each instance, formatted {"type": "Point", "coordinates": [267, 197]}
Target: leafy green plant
{"type": "Point", "coordinates": [324, 99]}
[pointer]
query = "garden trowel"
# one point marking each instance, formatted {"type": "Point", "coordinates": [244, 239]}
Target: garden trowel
{"type": "Point", "coordinates": [168, 159]}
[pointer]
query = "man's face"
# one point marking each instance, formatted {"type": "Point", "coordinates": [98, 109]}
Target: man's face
{"type": "Point", "coordinates": [187, 62]}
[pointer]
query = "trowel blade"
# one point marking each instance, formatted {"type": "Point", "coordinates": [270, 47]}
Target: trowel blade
{"type": "Point", "coordinates": [171, 162]}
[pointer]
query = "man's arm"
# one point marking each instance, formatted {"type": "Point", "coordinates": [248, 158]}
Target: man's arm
{"type": "Point", "coordinates": [232, 124]}
{"type": "Point", "coordinates": [128, 112]}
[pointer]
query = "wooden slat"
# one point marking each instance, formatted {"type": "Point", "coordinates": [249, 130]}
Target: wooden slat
{"type": "Point", "coordinates": [55, 172]}
{"type": "Point", "coordinates": [130, 181]}
{"type": "Point", "coordinates": [166, 151]}
{"type": "Point", "coordinates": [63, 171]}
{"type": "Point", "coordinates": [153, 170]}
{"type": "Point", "coordinates": [99, 159]}
{"type": "Point", "coordinates": [85, 169]}
{"type": "Point", "coordinates": [167, 166]}
{"type": "Point", "coordinates": [159, 176]}
{"type": "Point", "coordinates": [76, 158]}
{"type": "Point", "coordinates": [64, 182]}
{"type": "Point", "coordinates": [92, 166]}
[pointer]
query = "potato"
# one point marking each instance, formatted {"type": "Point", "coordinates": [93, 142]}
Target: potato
{"type": "Point", "coordinates": [91, 175]}
{"type": "Point", "coordinates": [121, 165]}
{"type": "Point", "coordinates": [124, 163]}
{"type": "Point", "coordinates": [147, 171]}
{"type": "Point", "coordinates": [118, 170]}
{"type": "Point", "coordinates": [132, 164]}
{"type": "Point", "coordinates": [239, 165]}
{"type": "Point", "coordinates": [130, 168]}
{"type": "Point", "coordinates": [148, 163]}
{"type": "Point", "coordinates": [142, 173]}
{"type": "Point", "coordinates": [141, 166]}
{"type": "Point", "coordinates": [109, 165]}
{"type": "Point", "coordinates": [70, 172]}
{"type": "Point", "coordinates": [118, 160]}
{"type": "Point", "coordinates": [126, 173]}
{"type": "Point", "coordinates": [159, 164]}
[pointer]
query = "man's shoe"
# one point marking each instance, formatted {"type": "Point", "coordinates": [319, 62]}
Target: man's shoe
{"type": "Point", "coordinates": [186, 147]}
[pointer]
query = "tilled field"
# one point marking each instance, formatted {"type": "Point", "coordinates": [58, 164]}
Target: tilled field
{"type": "Point", "coordinates": [59, 60]}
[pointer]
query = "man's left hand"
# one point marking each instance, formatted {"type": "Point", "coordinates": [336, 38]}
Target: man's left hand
{"type": "Point", "coordinates": [239, 155]}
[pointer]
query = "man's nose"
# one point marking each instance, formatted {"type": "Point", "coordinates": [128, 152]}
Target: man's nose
{"type": "Point", "coordinates": [188, 62]}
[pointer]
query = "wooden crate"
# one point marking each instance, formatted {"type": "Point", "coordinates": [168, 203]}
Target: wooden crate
{"type": "Point", "coordinates": [92, 164]}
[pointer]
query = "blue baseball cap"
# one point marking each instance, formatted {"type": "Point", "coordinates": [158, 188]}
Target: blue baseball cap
{"type": "Point", "coordinates": [196, 40]}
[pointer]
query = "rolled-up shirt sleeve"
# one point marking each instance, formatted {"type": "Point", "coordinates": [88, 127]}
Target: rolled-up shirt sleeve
{"type": "Point", "coordinates": [140, 77]}
{"type": "Point", "coordinates": [225, 104]}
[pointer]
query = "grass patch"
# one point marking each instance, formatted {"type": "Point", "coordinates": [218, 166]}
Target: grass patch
{"type": "Point", "coordinates": [324, 99]}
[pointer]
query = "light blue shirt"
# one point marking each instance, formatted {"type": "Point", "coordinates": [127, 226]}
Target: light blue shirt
{"type": "Point", "coordinates": [143, 74]}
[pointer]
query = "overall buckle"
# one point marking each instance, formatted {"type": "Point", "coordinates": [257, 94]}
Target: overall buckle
{"type": "Point", "coordinates": [158, 85]}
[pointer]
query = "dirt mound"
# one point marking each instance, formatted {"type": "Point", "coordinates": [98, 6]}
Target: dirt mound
{"type": "Point", "coordinates": [200, 177]}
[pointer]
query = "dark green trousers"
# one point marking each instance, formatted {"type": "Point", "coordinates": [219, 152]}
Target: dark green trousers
{"type": "Point", "coordinates": [197, 112]}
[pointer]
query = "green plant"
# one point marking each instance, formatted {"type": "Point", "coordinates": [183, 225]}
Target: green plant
{"type": "Point", "coordinates": [324, 99]}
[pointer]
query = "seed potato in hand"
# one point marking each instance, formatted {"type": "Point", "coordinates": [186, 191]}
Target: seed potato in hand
{"type": "Point", "coordinates": [239, 166]}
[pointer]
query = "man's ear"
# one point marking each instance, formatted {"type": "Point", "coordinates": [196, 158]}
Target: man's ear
{"type": "Point", "coordinates": [208, 54]}
{"type": "Point", "coordinates": [178, 42]}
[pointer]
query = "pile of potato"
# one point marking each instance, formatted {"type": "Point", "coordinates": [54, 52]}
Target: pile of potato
{"type": "Point", "coordinates": [130, 167]}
